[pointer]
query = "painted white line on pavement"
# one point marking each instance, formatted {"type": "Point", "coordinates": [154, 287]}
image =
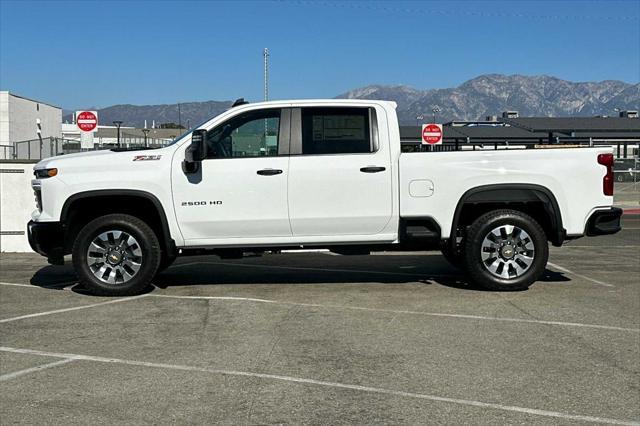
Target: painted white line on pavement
{"type": "Point", "coordinates": [19, 285]}
{"type": "Point", "coordinates": [306, 251]}
{"type": "Point", "coordinates": [370, 389]}
{"type": "Point", "coordinates": [299, 268]}
{"type": "Point", "coordinates": [37, 368]}
{"type": "Point", "coordinates": [599, 247]}
{"type": "Point", "coordinates": [76, 308]}
{"type": "Point", "coordinates": [584, 277]}
{"type": "Point", "coordinates": [405, 312]}
{"type": "Point", "coordinates": [52, 286]}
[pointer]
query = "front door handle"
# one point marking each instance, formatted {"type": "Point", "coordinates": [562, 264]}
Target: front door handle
{"type": "Point", "coordinates": [269, 172]}
{"type": "Point", "coordinates": [372, 169]}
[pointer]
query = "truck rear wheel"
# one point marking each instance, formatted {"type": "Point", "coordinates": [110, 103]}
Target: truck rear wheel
{"type": "Point", "coordinates": [505, 250]}
{"type": "Point", "coordinates": [116, 255]}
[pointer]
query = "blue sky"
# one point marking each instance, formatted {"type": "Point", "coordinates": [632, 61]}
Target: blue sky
{"type": "Point", "coordinates": [98, 53]}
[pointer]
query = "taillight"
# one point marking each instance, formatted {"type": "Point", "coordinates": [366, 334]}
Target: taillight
{"type": "Point", "coordinates": [607, 180]}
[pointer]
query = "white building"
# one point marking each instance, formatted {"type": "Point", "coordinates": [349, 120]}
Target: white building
{"type": "Point", "coordinates": [129, 136]}
{"type": "Point", "coordinates": [22, 120]}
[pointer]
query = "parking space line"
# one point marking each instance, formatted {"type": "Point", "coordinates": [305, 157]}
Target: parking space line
{"type": "Point", "coordinates": [35, 369]}
{"type": "Point", "coordinates": [19, 285]}
{"type": "Point", "coordinates": [584, 277]}
{"type": "Point", "coordinates": [300, 268]}
{"type": "Point", "coordinates": [290, 379]}
{"type": "Point", "coordinates": [405, 312]}
{"type": "Point", "coordinates": [56, 285]}
{"type": "Point", "coordinates": [75, 308]}
{"type": "Point", "coordinates": [564, 246]}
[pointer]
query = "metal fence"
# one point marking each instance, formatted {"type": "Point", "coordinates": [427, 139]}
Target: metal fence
{"type": "Point", "coordinates": [36, 149]}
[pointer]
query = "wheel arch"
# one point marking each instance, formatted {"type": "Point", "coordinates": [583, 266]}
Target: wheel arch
{"type": "Point", "coordinates": [135, 197]}
{"type": "Point", "coordinates": [510, 195]}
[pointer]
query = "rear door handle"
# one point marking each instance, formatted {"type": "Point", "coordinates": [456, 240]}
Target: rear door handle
{"type": "Point", "coordinates": [269, 172]}
{"type": "Point", "coordinates": [372, 169]}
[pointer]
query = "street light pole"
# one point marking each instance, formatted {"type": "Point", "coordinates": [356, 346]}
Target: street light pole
{"type": "Point", "coordinates": [118, 123]}
{"type": "Point", "coordinates": [435, 110]}
{"type": "Point", "coordinates": [145, 131]}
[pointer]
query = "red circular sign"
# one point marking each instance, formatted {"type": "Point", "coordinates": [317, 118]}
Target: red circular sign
{"type": "Point", "coordinates": [431, 134]}
{"type": "Point", "coordinates": [87, 121]}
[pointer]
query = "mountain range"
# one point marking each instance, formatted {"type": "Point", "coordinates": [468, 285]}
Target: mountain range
{"type": "Point", "coordinates": [489, 94]}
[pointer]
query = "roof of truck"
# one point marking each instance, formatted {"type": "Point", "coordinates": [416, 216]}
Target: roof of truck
{"type": "Point", "coordinates": [319, 101]}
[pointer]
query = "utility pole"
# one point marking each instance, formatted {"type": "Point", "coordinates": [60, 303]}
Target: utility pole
{"type": "Point", "coordinates": [179, 117]}
{"type": "Point", "coordinates": [265, 54]}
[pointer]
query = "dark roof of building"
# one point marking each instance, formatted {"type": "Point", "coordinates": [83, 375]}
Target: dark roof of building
{"type": "Point", "coordinates": [533, 128]}
{"type": "Point", "coordinates": [497, 132]}
{"type": "Point", "coordinates": [413, 132]}
{"type": "Point", "coordinates": [575, 124]}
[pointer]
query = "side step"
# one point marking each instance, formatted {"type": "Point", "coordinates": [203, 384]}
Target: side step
{"type": "Point", "coordinates": [419, 229]}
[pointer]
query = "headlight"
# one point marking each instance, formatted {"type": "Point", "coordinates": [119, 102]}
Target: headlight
{"type": "Point", "coordinates": [45, 173]}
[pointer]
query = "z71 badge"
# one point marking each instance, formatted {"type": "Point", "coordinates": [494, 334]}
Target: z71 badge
{"type": "Point", "coordinates": [146, 157]}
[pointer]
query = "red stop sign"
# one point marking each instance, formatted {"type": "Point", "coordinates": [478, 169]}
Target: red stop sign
{"type": "Point", "coordinates": [432, 134]}
{"type": "Point", "coordinates": [87, 121]}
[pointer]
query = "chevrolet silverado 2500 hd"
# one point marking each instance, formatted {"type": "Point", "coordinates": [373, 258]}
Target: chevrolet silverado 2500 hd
{"type": "Point", "coordinates": [324, 173]}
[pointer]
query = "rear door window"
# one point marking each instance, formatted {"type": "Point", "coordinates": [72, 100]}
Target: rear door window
{"type": "Point", "coordinates": [336, 131]}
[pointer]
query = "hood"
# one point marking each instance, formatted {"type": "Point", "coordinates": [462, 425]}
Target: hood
{"type": "Point", "coordinates": [96, 160]}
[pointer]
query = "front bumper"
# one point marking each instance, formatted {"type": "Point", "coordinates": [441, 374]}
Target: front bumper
{"type": "Point", "coordinates": [47, 239]}
{"type": "Point", "coordinates": [604, 222]}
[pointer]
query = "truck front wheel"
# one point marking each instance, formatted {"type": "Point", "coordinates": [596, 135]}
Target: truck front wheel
{"type": "Point", "coordinates": [116, 255]}
{"type": "Point", "coordinates": [505, 250]}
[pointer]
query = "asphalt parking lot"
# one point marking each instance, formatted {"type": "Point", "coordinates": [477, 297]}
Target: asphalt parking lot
{"type": "Point", "coordinates": [323, 339]}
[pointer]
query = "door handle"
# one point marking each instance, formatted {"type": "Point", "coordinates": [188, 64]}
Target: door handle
{"type": "Point", "coordinates": [372, 169]}
{"type": "Point", "coordinates": [269, 172]}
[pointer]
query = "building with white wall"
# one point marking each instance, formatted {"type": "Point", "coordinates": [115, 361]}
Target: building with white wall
{"type": "Point", "coordinates": [129, 136]}
{"type": "Point", "coordinates": [23, 119]}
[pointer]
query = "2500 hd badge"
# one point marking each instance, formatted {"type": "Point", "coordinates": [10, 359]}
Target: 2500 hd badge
{"type": "Point", "coordinates": [201, 203]}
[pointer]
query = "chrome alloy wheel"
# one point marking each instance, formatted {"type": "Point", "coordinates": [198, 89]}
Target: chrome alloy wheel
{"type": "Point", "coordinates": [114, 257]}
{"type": "Point", "coordinates": [507, 251]}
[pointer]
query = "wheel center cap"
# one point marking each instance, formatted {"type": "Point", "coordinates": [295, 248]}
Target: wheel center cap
{"type": "Point", "coordinates": [114, 257]}
{"type": "Point", "coordinates": [507, 252]}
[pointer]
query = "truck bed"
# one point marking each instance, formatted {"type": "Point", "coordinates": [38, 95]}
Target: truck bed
{"type": "Point", "coordinates": [432, 183]}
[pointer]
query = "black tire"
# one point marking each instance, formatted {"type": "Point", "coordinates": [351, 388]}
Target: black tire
{"type": "Point", "coordinates": [147, 246]}
{"type": "Point", "coordinates": [479, 270]}
{"type": "Point", "coordinates": [455, 256]}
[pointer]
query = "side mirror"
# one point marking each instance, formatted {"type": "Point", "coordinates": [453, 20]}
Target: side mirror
{"type": "Point", "coordinates": [196, 152]}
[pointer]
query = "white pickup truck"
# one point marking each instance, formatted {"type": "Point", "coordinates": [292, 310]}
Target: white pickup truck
{"type": "Point", "coordinates": [315, 173]}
